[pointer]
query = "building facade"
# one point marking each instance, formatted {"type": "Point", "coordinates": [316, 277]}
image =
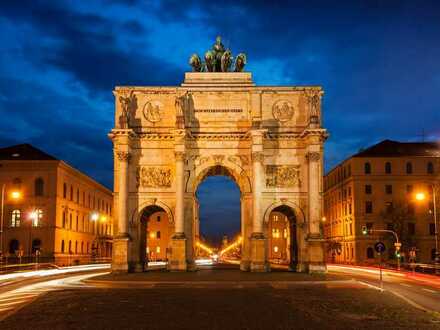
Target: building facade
{"type": "Point", "coordinates": [376, 189]}
{"type": "Point", "coordinates": [52, 212]}
{"type": "Point", "coordinates": [167, 140]}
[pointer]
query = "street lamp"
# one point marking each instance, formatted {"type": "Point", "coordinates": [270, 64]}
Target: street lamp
{"type": "Point", "coordinates": [15, 195]}
{"type": "Point", "coordinates": [421, 196]}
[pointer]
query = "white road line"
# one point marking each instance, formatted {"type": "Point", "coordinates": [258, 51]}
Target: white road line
{"type": "Point", "coordinates": [404, 284]}
{"type": "Point", "coordinates": [371, 285]}
{"type": "Point", "coordinates": [429, 290]}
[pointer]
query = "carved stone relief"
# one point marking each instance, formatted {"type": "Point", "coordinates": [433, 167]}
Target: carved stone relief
{"type": "Point", "coordinates": [153, 177]}
{"type": "Point", "coordinates": [153, 111]}
{"type": "Point", "coordinates": [282, 176]}
{"type": "Point", "coordinates": [282, 110]}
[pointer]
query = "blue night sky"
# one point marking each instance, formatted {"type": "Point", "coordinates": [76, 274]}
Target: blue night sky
{"type": "Point", "coordinates": [378, 62]}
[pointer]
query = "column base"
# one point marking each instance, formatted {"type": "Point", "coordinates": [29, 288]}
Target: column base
{"type": "Point", "coordinates": [259, 262]}
{"type": "Point", "coordinates": [177, 260]}
{"type": "Point", "coordinates": [120, 254]}
{"type": "Point", "coordinates": [316, 264]}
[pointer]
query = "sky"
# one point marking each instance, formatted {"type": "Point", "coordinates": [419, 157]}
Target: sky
{"type": "Point", "coordinates": [378, 62]}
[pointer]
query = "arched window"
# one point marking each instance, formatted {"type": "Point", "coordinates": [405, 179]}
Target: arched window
{"type": "Point", "coordinates": [15, 218]}
{"type": "Point", "coordinates": [36, 245]}
{"type": "Point", "coordinates": [367, 168]}
{"type": "Point", "coordinates": [370, 253]}
{"type": "Point", "coordinates": [37, 217]}
{"type": "Point", "coordinates": [64, 190]}
{"type": "Point", "coordinates": [430, 168]}
{"type": "Point", "coordinates": [39, 187]}
{"type": "Point", "coordinates": [13, 246]}
{"type": "Point", "coordinates": [62, 246]}
{"type": "Point", "coordinates": [388, 168]}
{"type": "Point", "coordinates": [409, 168]}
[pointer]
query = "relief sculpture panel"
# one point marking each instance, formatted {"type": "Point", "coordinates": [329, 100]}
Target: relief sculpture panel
{"type": "Point", "coordinates": [282, 176]}
{"type": "Point", "coordinates": [153, 177]}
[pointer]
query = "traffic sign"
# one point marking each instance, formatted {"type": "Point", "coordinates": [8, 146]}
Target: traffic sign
{"type": "Point", "coordinates": [379, 247]}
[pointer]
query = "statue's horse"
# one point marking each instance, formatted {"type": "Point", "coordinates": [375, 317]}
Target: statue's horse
{"type": "Point", "coordinates": [210, 61]}
{"type": "Point", "coordinates": [240, 62]}
{"type": "Point", "coordinates": [195, 62]}
{"type": "Point", "coordinates": [226, 61]}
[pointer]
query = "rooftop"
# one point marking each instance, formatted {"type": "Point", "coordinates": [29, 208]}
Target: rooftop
{"type": "Point", "coordinates": [389, 148]}
{"type": "Point", "coordinates": [24, 152]}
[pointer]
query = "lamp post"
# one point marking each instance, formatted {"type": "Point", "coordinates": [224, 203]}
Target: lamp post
{"type": "Point", "coordinates": [420, 196]}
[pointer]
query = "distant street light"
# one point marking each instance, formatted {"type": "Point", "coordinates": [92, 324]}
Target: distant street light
{"type": "Point", "coordinates": [95, 216]}
{"type": "Point", "coordinates": [421, 196]}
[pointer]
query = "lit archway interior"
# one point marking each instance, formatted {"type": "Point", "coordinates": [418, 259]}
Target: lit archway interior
{"type": "Point", "coordinates": [218, 215]}
{"type": "Point", "coordinates": [282, 232]}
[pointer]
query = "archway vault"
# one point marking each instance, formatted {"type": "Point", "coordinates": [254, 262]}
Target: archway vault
{"type": "Point", "coordinates": [137, 213]}
{"type": "Point", "coordinates": [299, 212]}
{"type": "Point", "coordinates": [229, 169]}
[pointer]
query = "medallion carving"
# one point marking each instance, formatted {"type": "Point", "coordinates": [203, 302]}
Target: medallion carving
{"type": "Point", "coordinates": [153, 111]}
{"type": "Point", "coordinates": [313, 156]}
{"type": "Point", "coordinates": [153, 177]}
{"type": "Point", "coordinates": [123, 156]}
{"type": "Point", "coordinates": [282, 110]}
{"type": "Point", "coordinates": [282, 176]}
{"type": "Point", "coordinates": [218, 158]}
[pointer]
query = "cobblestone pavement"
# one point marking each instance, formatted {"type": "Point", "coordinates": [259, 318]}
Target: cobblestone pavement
{"type": "Point", "coordinates": [300, 304]}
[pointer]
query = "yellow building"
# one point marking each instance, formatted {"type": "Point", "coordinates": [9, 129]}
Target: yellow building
{"type": "Point", "coordinates": [52, 211]}
{"type": "Point", "coordinates": [376, 188]}
{"type": "Point", "coordinates": [158, 235]}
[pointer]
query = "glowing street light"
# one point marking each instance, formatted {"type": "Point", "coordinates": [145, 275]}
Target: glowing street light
{"type": "Point", "coordinates": [15, 194]}
{"type": "Point", "coordinates": [95, 216]}
{"type": "Point", "coordinates": [420, 196]}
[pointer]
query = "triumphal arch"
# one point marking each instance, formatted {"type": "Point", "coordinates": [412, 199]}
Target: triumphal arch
{"type": "Point", "coordinates": [268, 139]}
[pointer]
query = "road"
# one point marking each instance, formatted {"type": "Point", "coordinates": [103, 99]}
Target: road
{"type": "Point", "coordinates": [423, 291]}
{"type": "Point", "coordinates": [19, 289]}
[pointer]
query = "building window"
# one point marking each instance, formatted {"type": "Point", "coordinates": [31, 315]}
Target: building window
{"type": "Point", "coordinates": [15, 218]}
{"type": "Point", "coordinates": [409, 188]}
{"type": "Point", "coordinates": [369, 225]}
{"type": "Point", "coordinates": [409, 168]}
{"type": "Point", "coordinates": [70, 221]}
{"type": "Point", "coordinates": [16, 183]}
{"type": "Point", "coordinates": [157, 249]}
{"type": "Point", "coordinates": [369, 207]}
{"type": "Point", "coordinates": [62, 246]}
{"type": "Point", "coordinates": [64, 190]}
{"type": "Point", "coordinates": [388, 189]}
{"type": "Point", "coordinates": [368, 189]}
{"type": "Point", "coordinates": [432, 229]}
{"type": "Point", "coordinates": [275, 249]}
{"type": "Point", "coordinates": [388, 168]}
{"type": "Point", "coordinates": [411, 228]}
{"type": "Point", "coordinates": [77, 196]}
{"type": "Point", "coordinates": [430, 168]}
{"type": "Point", "coordinates": [433, 253]}
{"type": "Point", "coordinates": [14, 245]}
{"type": "Point", "coordinates": [82, 247]}
{"type": "Point", "coordinates": [39, 187]}
{"type": "Point", "coordinates": [410, 209]}
{"type": "Point", "coordinates": [285, 233]}
{"type": "Point", "coordinates": [370, 253]}
{"type": "Point", "coordinates": [158, 218]}
{"type": "Point", "coordinates": [389, 207]}
{"type": "Point", "coordinates": [349, 191]}
{"type": "Point", "coordinates": [70, 247]}
{"type": "Point", "coordinates": [367, 168]}
{"type": "Point", "coordinates": [158, 234]}
{"type": "Point", "coordinates": [37, 217]}
{"type": "Point", "coordinates": [36, 245]}
{"type": "Point", "coordinates": [71, 193]}
{"type": "Point", "coordinates": [77, 223]}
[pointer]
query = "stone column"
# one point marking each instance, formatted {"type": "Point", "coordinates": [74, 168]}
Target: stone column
{"type": "Point", "coordinates": [124, 159]}
{"type": "Point", "coordinates": [315, 239]}
{"type": "Point", "coordinates": [259, 254]}
{"type": "Point", "coordinates": [179, 213]}
{"type": "Point", "coordinates": [120, 262]}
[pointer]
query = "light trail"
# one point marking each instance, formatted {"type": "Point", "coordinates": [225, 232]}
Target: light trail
{"type": "Point", "coordinates": [205, 248]}
{"type": "Point", "coordinates": [50, 272]}
{"type": "Point", "coordinates": [231, 246]}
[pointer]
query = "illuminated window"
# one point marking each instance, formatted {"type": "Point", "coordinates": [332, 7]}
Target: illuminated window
{"type": "Point", "coordinates": [148, 250]}
{"type": "Point", "coordinates": [157, 249]}
{"type": "Point", "coordinates": [275, 233]}
{"type": "Point", "coordinates": [285, 233]}
{"type": "Point", "coordinates": [36, 219]}
{"type": "Point", "coordinates": [15, 218]}
{"type": "Point", "coordinates": [275, 218]}
{"type": "Point", "coordinates": [275, 249]}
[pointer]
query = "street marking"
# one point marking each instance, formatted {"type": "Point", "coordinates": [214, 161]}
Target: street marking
{"type": "Point", "coordinates": [372, 286]}
{"type": "Point", "coordinates": [429, 290]}
{"type": "Point", "coordinates": [404, 284]}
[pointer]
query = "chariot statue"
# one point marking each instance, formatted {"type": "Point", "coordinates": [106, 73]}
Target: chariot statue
{"type": "Point", "coordinates": [218, 59]}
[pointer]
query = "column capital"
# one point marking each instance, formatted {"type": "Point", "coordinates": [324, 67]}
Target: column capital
{"type": "Point", "coordinates": [313, 156]}
{"type": "Point", "coordinates": [257, 156]}
{"type": "Point", "coordinates": [123, 156]}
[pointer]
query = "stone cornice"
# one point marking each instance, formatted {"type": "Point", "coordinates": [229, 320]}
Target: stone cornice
{"type": "Point", "coordinates": [320, 132]}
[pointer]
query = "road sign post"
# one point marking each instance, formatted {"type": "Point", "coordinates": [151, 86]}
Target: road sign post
{"type": "Point", "coordinates": [380, 248]}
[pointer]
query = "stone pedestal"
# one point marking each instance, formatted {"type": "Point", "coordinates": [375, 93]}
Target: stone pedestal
{"type": "Point", "coordinates": [317, 263]}
{"type": "Point", "coordinates": [177, 261]}
{"type": "Point", "coordinates": [258, 254]}
{"type": "Point", "coordinates": [120, 255]}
